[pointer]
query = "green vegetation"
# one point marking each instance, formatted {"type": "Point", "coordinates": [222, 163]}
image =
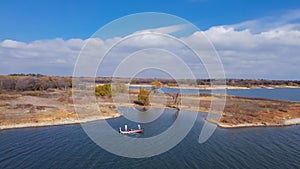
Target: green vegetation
{"type": "Point", "coordinates": [107, 90]}
{"type": "Point", "coordinates": [156, 84]}
{"type": "Point", "coordinates": [172, 85]}
{"type": "Point", "coordinates": [144, 97]}
{"type": "Point", "coordinates": [104, 90]}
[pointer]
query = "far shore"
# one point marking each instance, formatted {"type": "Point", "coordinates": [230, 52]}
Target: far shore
{"type": "Point", "coordinates": [219, 87]}
{"type": "Point", "coordinates": [228, 87]}
{"type": "Point", "coordinates": [207, 87]}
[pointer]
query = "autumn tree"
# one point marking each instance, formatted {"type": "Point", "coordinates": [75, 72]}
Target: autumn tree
{"type": "Point", "coordinates": [144, 97]}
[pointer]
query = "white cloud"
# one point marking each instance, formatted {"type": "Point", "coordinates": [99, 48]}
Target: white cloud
{"type": "Point", "coordinates": [166, 30]}
{"type": "Point", "coordinates": [269, 23]}
{"type": "Point", "coordinates": [269, 54]}
{"type": "Point", "coordinates": [252, 49]}
{"type": "Point", "coordinates": [12, 44]}
{"type": "Point", "coordinates": [42, 56]}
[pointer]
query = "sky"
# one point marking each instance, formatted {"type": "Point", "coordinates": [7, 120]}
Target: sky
{"type": "Point", "coordinates": [254, 39]}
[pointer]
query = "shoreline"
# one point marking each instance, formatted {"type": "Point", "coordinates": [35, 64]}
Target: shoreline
{"type": "Point", "coordinates": [219, 87]}
{"type": "Point", "coordinates": [56, 122]}
{"type": "Point", "coordinates": [289, 122]}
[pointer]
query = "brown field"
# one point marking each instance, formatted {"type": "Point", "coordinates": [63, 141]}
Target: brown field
{"type": "Point", "coordinates": [55, 107]}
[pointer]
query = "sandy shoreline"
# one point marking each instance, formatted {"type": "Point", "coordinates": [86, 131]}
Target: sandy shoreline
{"type": "Point", "coordinates": [288, 122]}
{"type": "Point", "coordinates": [292, 121]}
{"type": "Point", "coordinates": [57, 122]}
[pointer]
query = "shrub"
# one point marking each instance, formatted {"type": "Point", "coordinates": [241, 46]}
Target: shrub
{"type": "Point", "coordinates": [172, 85]}
{"type": "Point", "coordinates": [104, 90]}
{"type": "Point", "coordinates": [156, 84]}
{"type": "Point", "coordinates": [144, 97]}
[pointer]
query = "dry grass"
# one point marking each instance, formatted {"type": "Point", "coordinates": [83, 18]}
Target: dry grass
{"type": "Point", "coordinates": [16, 108]}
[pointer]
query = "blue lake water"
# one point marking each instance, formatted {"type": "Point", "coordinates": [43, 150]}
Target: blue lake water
{"type": "Point", "coordinates": [69, 147]}
{"type": "Point", "coordinates": [290, 94]}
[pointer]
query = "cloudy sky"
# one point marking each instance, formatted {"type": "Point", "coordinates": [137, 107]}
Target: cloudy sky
{"type": "Point", "coordinates": [253, 39]}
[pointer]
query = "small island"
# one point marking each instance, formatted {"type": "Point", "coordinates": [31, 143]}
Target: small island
{"type": "Point", "coordinates": [36, 100]}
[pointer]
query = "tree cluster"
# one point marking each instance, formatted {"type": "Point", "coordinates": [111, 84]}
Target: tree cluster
{"type": "Point", "coordinates": [33, 83]}
{"type": "Point", "coordinates": [29, 74]}
{"type": "Point", "coordinates": [232, 82]}
{"type": "Point", "coordinates": [255, 82]}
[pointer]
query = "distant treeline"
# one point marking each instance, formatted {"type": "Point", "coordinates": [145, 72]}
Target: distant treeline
{"type": "Point", "coordinates": [231, 82]}
{"type": "Point", "coordinates": [25, 82]}
{"type": "Point", "coordinates": [29, 74]}
{"type": "Point", "coordinates": [256, 82]}
{"type": "Point", "coordinates": [31, 83]}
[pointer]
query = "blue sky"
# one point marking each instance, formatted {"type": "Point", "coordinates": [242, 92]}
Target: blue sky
{"type": "Point", "coordinates": [31, 20]}
{"type": "Point", "coordinates": [46, 36]}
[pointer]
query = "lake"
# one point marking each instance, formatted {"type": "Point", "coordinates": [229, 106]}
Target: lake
{"type": "Point", "coordinates": [69, 147]}
{"type": "Point", "coordinates": [290, 94]}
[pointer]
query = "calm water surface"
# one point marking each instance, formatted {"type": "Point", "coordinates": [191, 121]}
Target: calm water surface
{"type": "Point", "coordinates": [69, 147]}
{"type": "Point", "coordinates": [290, 94]}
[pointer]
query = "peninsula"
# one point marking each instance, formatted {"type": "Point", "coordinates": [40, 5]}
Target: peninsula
{"type": "Point", "coordinates": [27, 101]}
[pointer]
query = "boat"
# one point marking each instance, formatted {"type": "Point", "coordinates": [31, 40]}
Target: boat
{"type": "Point", "coordinates": [131, 131]}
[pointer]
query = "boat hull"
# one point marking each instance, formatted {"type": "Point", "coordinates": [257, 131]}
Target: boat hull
{"type": "Point", "coordinates": [131, 131]}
